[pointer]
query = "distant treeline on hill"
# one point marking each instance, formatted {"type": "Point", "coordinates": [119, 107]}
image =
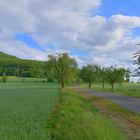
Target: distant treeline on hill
{"type": "Point", "coordinates": [13, 66]}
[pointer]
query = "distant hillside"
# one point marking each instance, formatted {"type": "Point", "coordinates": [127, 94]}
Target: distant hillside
{"type": "Point", "coordinates": [13, 66]}
{"type": "Point", "coordinates": [7, 56]}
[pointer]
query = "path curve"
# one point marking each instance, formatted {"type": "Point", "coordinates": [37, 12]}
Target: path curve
{"type": "Point", "coordinates": [127, 102]}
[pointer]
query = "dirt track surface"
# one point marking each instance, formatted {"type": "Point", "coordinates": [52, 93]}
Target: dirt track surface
{"type": "Point", "coordinates": [127, 102]}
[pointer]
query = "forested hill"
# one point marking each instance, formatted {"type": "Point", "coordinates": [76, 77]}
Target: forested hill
{"type": "Point", "coordinates": [7, 56]}
{"type": "Point", "coordinates": [13, 66]}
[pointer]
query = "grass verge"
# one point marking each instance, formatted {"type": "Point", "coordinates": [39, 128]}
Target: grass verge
{"type": "Point", "coordinates": [75, 118]}
{"type": "Point", "coordinates": [127, 120]}
{"type": "Point", "coordinates": [128, 89]}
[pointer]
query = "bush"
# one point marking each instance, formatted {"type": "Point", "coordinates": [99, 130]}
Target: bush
{"type": "Point", "coordinates": [43, 81]}
{"type": "Point", "coordinates": [50, 79]}
{"type": "Point", "coordinates": [4, 79]}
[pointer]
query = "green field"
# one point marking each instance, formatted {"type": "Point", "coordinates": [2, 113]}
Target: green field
{"type": "Point", "coordinates": [40, 111]}
{"type": "Point", "coordinates": [24, 110]}
{"type": "Point", "coordinates": [14, 79]}
{"type": "Point", "coordinates": [129, 89]}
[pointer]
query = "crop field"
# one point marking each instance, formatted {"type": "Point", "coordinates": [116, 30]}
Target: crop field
{"type": "Point", "coordinates": [129, 89]}
{"type": "Point", "coordinates": [34, 110]}
{"type": "Point", "coordinates": [24, 110]}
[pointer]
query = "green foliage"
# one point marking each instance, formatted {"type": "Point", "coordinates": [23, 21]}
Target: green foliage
{"type": "Point", "coordinates": [50, 78]}
{"type": "Point", "coordinates": [102, 76]}
{"type": "Point", "coordinates": [4, 78]}
{"type": "Point", "coordinates": [13, 66]}
{"type": "Point", "coordinates": [115, 75]}
{"type": "Point", "coordinates": [14, 79]}
{"type": "Point", "coordinates": [63, 66]}
{"type": "Point", "coordinates": [94, 73]}
{"type": "Point", "coordinates": [89, 73]}
{"type": "Point", "coordinates": [25, 108]}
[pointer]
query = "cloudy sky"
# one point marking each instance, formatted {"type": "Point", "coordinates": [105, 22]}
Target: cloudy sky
{"type": "Point", "coordinates": [93, 31]}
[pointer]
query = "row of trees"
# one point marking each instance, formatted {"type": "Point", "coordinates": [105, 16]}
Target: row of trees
{"type": "Point", "coordinates": [63, 67]}
{"type": "Point", "coordinates": [94, 73]}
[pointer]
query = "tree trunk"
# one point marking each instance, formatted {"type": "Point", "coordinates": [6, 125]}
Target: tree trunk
{"type": "Point", "coordinates": [103, 85]}
{"type": "Point", "coordinates": [89, 86]}
{"type": "Point", "coordinates": [62, 82]}
{"type": "Point", "coordinates": [112, 86]}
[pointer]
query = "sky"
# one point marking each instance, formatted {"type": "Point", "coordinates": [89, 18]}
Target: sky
{"type": "Point", "coordinates": [103, 32]}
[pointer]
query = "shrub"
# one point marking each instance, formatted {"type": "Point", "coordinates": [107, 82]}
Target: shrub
{"type": "Point", "coordinates": [4, 79]}
{"type": "Point", "coordinates": [50, 79]}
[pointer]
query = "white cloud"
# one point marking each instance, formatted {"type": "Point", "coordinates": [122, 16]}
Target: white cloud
{"type": "Point", "coordinates": [67, 25]}
{"type": "Point", "coordinates": [22, 51]}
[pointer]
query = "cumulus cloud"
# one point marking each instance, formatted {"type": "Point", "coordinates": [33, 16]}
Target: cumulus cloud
{"type": "Point", "coordinates": [22, 51]}
{"type": "Point", "coordinates": [68, 25]}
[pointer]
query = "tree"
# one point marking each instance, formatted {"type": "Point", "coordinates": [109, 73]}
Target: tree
{"type": "Point", "coordinates": [78, 80]}
{"type": "Point", "coordinates": [136, 58]}
{"type": "Point", "coordinates": [103, 76]}
{"type": "Point", "coordinates": [127, 75]}
{"type": "Point", "coordinates": [115, 75]}
{"type": "Point", "coordinates": [63, 67]}
{"type": "Point", "coordinates": [88, 73]}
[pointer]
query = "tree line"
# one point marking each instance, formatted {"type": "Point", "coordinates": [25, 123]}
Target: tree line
{"type": "Point", "coordinates": [95, 73]}
{"type": "Point", "coordinates": [63, 68]}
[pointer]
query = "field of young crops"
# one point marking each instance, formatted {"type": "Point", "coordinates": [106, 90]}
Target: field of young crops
{"type": "Point", "coordinates": [24, 110]}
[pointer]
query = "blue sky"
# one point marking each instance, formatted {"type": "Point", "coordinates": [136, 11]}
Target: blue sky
{"type": "Point", "coordinates": [28, 40]}
{"type": "Point", "coordinates": [125, 7]}
{"type": "Point", "coordinates": [107, 9]}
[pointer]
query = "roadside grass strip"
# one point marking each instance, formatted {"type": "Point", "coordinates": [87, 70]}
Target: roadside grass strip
{"type": "Point", "coordinates": [75, 118]}
{"type": "Point", "coordinates": [128, 121]}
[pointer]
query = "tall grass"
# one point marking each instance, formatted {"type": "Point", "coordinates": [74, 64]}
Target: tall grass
{"type": "Point", "coordinates": [76, 119]}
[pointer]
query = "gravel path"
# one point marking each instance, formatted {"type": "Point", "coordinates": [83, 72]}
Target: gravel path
{"type": "Point", "coordinates": [130, 103]}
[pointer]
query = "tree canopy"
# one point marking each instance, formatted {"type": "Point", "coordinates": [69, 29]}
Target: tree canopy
{"type": "Point", "coordinates": [89, 73]}
{"type": "Point", "coordinates": [63, 66]}
{"type": "Point", "coordinates": [115, 75]}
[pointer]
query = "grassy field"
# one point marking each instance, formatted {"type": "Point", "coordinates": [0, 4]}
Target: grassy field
{"type": "Point", "coordinates": [75, 118]}
{"type": "Point", "coordinates": [33, 110]}
{"type": "Point", "coordinates": [129, 89]}
{"type": "Point", "coordinates": [24, 110]}
{"type": "Point", "coordinates": [13, 79]}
